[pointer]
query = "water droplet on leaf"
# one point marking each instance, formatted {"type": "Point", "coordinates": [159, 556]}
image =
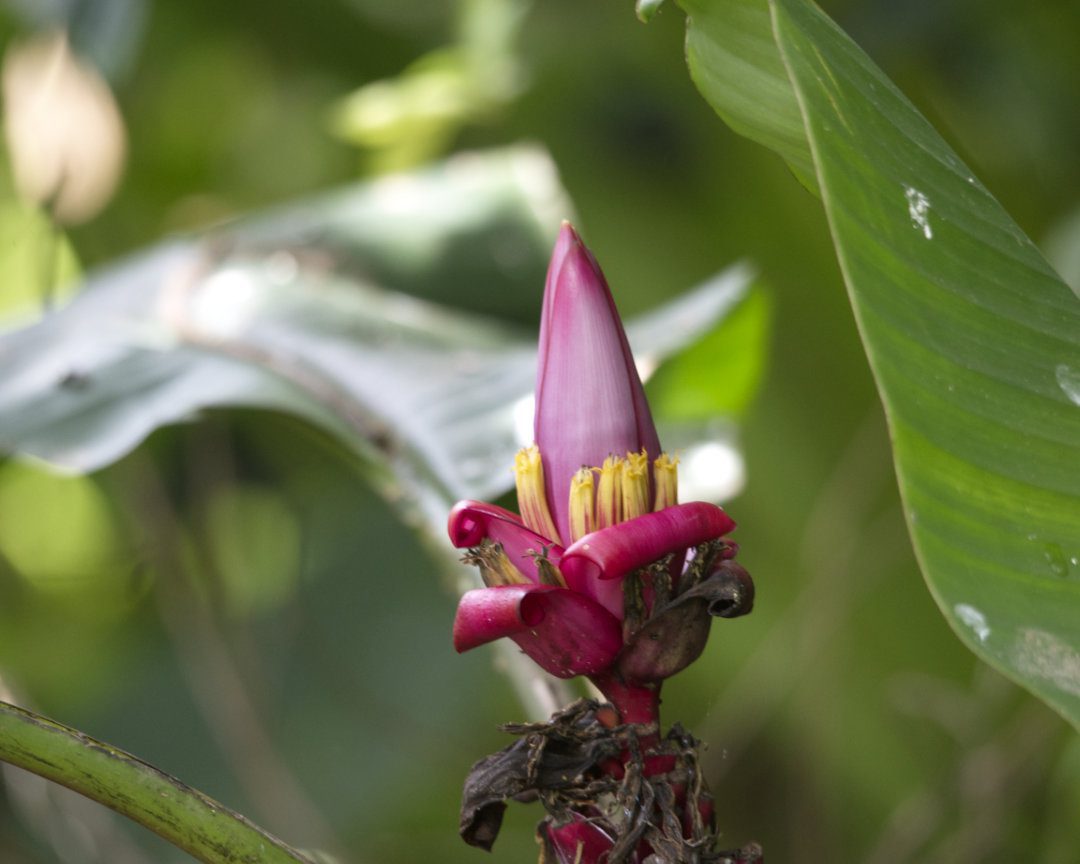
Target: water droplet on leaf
{"type": "Point", "coordinates": [918, 210]}
{"type": "Point", "coordinates": [974, 619]}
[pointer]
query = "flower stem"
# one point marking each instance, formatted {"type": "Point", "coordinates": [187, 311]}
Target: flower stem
{"type": "Point", "coordinates": [185, 817]}
{"type": "Point", "coordinates": [636, 703]}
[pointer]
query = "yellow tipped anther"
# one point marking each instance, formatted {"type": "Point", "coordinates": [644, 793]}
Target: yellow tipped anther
{"type": "Point", "coordinates": [609, 493]}
{"type": "Point", "coordinates": [635, 485]}
{"type": "Point", "coordinates": [532, 498]}
{"type": "Point", "coordinates": [495, 565]}
{"type": "Point", "coordinates": [546, 572]}
{"type": "Point", "coordinates": [666, 476]}
{"type": "Point", "coordinates": [502, 572]}
{"type": "Point", "coordinates": [582, 504]}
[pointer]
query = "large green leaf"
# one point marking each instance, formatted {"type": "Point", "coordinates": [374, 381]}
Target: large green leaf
{"type": "Point", "coordinates": [736, 64]}
{"type": "Point", "coordinates": [973, 339]}
{"type": "Point", "coordinates": [315, 311]}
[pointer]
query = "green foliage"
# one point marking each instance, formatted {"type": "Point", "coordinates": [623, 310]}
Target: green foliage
{"type": "Point", "coordinates": [425, 394]}
{"type": "Point", "coordinates": [720, 374]}
{"type": "Point", "coordinates": [193, 822]}
{"type": "Point", "coordinates": [846, 720]}
{"type": "Point", "coordinates": [972, 337]}
{"type": "Point", "coordinates": [408, 120]}
{"type": "Point", "coordinates": [426, 391]}
{"type": "Point", "coordinates": [37, 263]}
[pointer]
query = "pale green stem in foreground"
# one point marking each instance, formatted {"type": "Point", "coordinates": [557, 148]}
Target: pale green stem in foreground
{"type": "Point", "coordinates": [184, 816]}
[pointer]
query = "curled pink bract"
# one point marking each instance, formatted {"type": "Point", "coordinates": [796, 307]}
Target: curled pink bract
{"type": "Point", "coordinates": [565, 633]}
{"type": "Point", "coordinates": [611, 553]}
{"type": "Point", "coordinates": [471, 522]}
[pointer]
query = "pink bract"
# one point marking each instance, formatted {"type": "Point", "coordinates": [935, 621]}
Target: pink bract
{"type": "Point", "coordinates": [589, 399]}
{"type": "Point", "coordinates": [565, 633]}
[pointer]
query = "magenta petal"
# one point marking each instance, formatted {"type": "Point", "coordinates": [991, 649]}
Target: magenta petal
{"type": "Point", "coordinates": [577, 636]}
{"type": "Point", "coordinates": [563, 632]}
{"type": "Point", "coordinates": [473, 521]}
{"type": "Point", "coordinates": [486, 614]}
{"type": "Point", "coordinates": [589, 399]}
{"type": "Point", "coordinates": [611, 553]}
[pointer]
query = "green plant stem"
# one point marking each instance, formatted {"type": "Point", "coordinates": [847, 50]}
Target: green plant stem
{"type": "Point", "coordinates": [184, 816]}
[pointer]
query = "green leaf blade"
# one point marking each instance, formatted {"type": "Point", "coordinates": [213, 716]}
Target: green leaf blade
{"type": "Point", "coordinates": [736, 65]}
{"type": "Point", "coordinates": [973, 339]}
{"type": "Point", "coordinates": [965, 326]}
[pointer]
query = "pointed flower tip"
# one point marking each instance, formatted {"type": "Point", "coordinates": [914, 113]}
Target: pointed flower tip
{"type": "Point", "coordinates": [568, 233]}
{"type": "Point", "coordinates": [567, 239]}
{"type": "Point", "coordinates": [580, 271]}
{"type": "Point", "coordinates": [589, 399]}
{"type": "Point", "coordinates": [574, 268]}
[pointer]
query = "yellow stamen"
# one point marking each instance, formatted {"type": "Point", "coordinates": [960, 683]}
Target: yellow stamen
{"type": "Point", "coordinates": [582, 504]}
{"type": "Point", "coordinates": [495, 565]}
{"type": "Point", "coordinates": [609, 493]}
{"type": "Point", "coordinates": [666, 475]}
{"type": "Point", "coordinates": [546, 572]}
{"type": "Point", "coordinates": [532, 499]}
{"type": "Point", "coordinates": [635, 485]}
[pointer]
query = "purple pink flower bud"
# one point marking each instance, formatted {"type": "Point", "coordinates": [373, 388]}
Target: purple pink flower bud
{"type": "Point", "coordinates": [596, 494]}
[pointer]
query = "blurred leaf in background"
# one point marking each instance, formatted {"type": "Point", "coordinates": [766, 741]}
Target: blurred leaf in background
{"type": "Point", "coordinates": [38, 265]}
{"type": "Point", "coordinates": [65, 136]}
{"type": "Point", "coordinates": [406, 120]}
{"type": "Point", "coordinates": [846, 722]}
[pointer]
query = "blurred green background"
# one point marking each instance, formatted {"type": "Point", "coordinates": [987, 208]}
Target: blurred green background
{"type": "Point", "coordinates": [235, 603]}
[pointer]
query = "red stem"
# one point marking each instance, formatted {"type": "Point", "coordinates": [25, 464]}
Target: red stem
{"type": "Point", "coordinates": [638, 704]}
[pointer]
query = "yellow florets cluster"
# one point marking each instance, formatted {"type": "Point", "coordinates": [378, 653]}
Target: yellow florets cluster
{"type": "Point", "coordinates": [600, 496]}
